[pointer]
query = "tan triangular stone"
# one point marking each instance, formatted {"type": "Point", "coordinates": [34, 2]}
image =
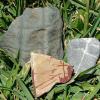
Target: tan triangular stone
{"type": "Point", "coordinates": [47, 71]}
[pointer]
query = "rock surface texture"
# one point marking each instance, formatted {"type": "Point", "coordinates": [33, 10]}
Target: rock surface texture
{"type": "Point", "coordinates": [38, 30]}
{"type": "Point", "coordinates": [47, 71]}
{"type": "Point", "coordinates": [83, 53]}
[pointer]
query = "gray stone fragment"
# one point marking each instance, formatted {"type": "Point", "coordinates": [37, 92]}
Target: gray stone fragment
{"type": "Point", "coordinates": [38, 30]}
{"type": "Point", "coordinates": [83, 53]}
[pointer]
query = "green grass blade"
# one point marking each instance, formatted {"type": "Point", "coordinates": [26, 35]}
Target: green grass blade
{"type": "Point", "coordinates": [95, 25]}
{"type": "Point", "coordinates": [86, 18]}
{"type": "Point", "coordinates": [92, 94]}
{"type": "Point", "coordinates": [20, 5]}
{"type": "Point", "coordinates": [91, 30]}
{"type": "Point", "coordinates": [81, 5]}
{"type": "Point", "coordinates": [25, 90]}
{"type": "Point", "coordinates": [25, 70]}
{"type": "Point", "coordinates": [18, 94]}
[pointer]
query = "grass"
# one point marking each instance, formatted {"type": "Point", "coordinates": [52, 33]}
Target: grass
{"type": "Point", "coordinates": [81, 19]}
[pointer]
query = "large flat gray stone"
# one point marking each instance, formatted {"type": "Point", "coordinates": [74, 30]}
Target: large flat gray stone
{"type": "Point", "coordinates": [38, 30]}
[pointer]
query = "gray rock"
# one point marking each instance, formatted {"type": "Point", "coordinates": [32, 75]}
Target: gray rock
{"type": "Point", "coordinates": [38, 30]}
{"type": "Point", "coordinates": [83, 53]}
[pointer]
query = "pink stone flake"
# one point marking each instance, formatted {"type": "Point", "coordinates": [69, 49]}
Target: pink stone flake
{"type": "Point", "coordinates": [48, 71]}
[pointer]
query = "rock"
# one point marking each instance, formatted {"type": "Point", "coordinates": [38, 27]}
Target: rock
{"type": "Point", "coordinates": [47, 71]}
{"type": "Point", "coordinates": [38, 30]}
{"type": "Point", "coordinates": [83, 53]}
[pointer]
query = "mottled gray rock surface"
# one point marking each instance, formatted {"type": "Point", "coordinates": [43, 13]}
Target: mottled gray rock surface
{"type": "Point", "coordinates": [83, 53]}
{"type": "Point", "coordinates": [38, 30]}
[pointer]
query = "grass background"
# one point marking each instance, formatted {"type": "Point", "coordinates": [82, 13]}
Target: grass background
{"type": "Point", "coordinates": [81, 19]}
